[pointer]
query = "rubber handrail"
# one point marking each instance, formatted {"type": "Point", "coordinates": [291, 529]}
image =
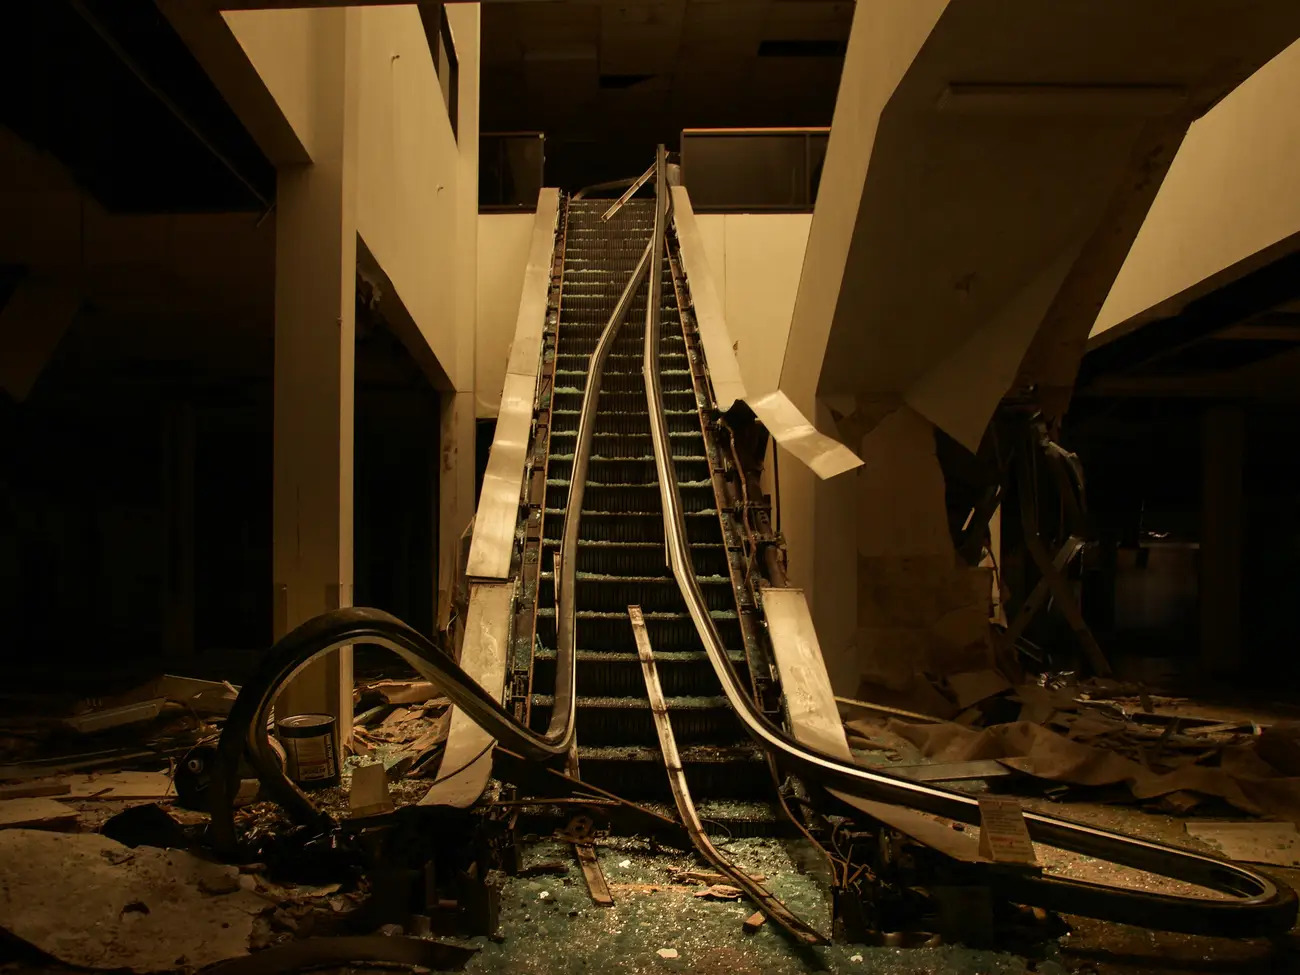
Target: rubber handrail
{"type": "Point", "coordinates": [1261, 905]}
{"type": "Point", "coordinates": [245, 729]}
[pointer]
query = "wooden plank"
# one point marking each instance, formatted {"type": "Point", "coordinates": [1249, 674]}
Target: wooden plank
{"type": "Point", "coordinates": [32, 790]}
{"type": "Point", "coordinates": [591, 872]}
{"type": "Point", "coordinates": [951, 771]}
{"type": "Point", "coordinates": [36, 813]}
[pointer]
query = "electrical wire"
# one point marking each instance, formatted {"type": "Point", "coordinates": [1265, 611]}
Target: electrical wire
{"type": "Point", "coordinates": [483, 751]}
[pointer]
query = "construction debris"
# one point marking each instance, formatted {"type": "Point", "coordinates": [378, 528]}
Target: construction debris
{"type": "Point", "coordinates": [31, 790]}
{"type": "Point", "coordinates": [1151, 765]}
{"type": "Point", "coordinates": [399, 692]}
{"type": "Point", "coordinates": [1273, 843]}
{"type": "Point", "coordinates": [103, 719]}
{"type": "Point", "coordinates": [368, 795]}
{"type": "Point", "coordinates": [121, 785]}
{"type": "Point", "coordinates": [720, 892]}
{"type": "Point", "coordinates": [1097, 734]}
{"type": "Point", "coordinates": [36, 813]}
{"type": "Point", "coordinates": [144, 910]}
{"type": "Point", "coordinates": [146, 703]}
{"type": "Point", "coordinates": [597, 885]}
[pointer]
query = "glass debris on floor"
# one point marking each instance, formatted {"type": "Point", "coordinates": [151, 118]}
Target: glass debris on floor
{"type": "Point", "coordinates": [297, 893]}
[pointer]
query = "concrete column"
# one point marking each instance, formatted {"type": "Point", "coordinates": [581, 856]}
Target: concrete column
{"type": "Point", "coordinates": [315, 348]}
{"type": "Point", "coordinates": [456, 499]}
{"type": "Point", "coordinates": [890, 599]}
{"type": "Point", "coordinates": [455, 492]}
{"type": "Point", "coordinates": [1222, 454]}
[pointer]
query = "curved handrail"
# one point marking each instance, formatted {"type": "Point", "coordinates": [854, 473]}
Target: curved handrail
{"type": "Point", "coordinates": [1262, 905]}
{"type": "Point", "coordinates": [245, 730]}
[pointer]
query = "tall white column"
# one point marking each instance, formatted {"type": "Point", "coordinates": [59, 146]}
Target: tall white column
{"type": "Point", "coordinates": [315, 345]}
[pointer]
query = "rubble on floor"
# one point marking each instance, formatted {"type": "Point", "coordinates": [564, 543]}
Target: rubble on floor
{"type": "Point", "coordinates": [88, 901]}
{"type": "Point", "coordinates": [103, 808]}
{"type": "Point", "coordinates": [1090, 736]}
{"type": "Point", "coordinates": [660, 924]}
{"type": "Point", "coordinates": [1254, 842]}
{"type": "Point", "coordinates": [88, 855]}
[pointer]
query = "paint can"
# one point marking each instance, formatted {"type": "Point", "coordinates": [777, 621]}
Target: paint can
{"type": "Point", "coordinates": [311, 749]}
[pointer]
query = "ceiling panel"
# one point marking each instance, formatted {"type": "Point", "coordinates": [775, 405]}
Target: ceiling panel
{"type": "Point", "coordinates": [629, 72]}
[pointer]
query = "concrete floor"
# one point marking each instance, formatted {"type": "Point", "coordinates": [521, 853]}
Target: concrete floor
{"type": "Point", "coordinates": [549, 924]}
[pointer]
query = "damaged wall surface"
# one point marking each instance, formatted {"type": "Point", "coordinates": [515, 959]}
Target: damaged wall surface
{"type": "Point", "coordinates": [975, 206]}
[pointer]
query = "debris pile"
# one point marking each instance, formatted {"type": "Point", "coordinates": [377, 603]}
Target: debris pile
{"type": "Point", "coordinates": [104, 862]}
{"type": "Point", "coordinates": [89, 901]}
{"type": "Point", "coordinates": [402, 723]}
{"type": "Point", "coordinates": [1099, 735]}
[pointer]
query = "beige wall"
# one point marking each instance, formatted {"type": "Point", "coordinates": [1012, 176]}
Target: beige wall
{"type": "Point", "coordinates": [463, 18]}
{"type": "Point", "coordinates": [406, 186]}
{"type": "Point", "coordinates": [408, 176]}
{"type": "Point", "coordinates": [1232, 193]}
{"type": "Point", "coordinates": [416, 192]}
{"type": "Point", "coordinates": [284, 46]}
{"type": "Point", "coordinates": [755, 260]}
{"type": "Point", "coordinates": [503, 242]}
{"type": "Point", "coordinates": [885, 38]}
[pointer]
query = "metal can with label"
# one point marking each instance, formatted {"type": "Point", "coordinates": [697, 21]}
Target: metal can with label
{"type": "Point", "coordinates": [311, 749]}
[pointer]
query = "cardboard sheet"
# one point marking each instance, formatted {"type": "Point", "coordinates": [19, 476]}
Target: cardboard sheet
{"type": "Point", "coordinates": [1242, 778]}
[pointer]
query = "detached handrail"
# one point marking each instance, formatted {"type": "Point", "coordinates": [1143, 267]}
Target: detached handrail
{"type": "Point", "coordinates": [245, 731]}
{"type": "Point", "coordinates": [627, 194]}
{"type": "Point", "coordinates": [1263, 906]}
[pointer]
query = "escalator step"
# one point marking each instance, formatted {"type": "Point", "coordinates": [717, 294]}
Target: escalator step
{"type": "Point", "coordinates": [627, 470]}
{"type": "Point", "coordinates": [620, 551]}
{"type": "Point", "coordinates": [696, 496]}
{"type": "Point", "coordinates": [631, 558]}
{"type": "Point", "coordinates": [617, 445]}
{"type": "Point", "coordinates": [629, 721]}
{"type": "Point", "coordinates": [633, 526]}
{"type": "Point", "coordinates": [668, 631]}
{"type": "Point", "coordinates": [637, 771]}
{"type": "Point", "coordinates": [613, 674]}
{"type": "Point", "coordinates": [612, 593]}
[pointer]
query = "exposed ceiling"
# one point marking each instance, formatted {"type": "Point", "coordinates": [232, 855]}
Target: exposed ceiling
{"type": "Point", "coordinates": [108, 88]}
{"type": "Point", "coordinates": [1241, 341]}
{"type": "Point", "coordinates": [984, 174]}
{"type": "Point", "coordinates": [606, 81]}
